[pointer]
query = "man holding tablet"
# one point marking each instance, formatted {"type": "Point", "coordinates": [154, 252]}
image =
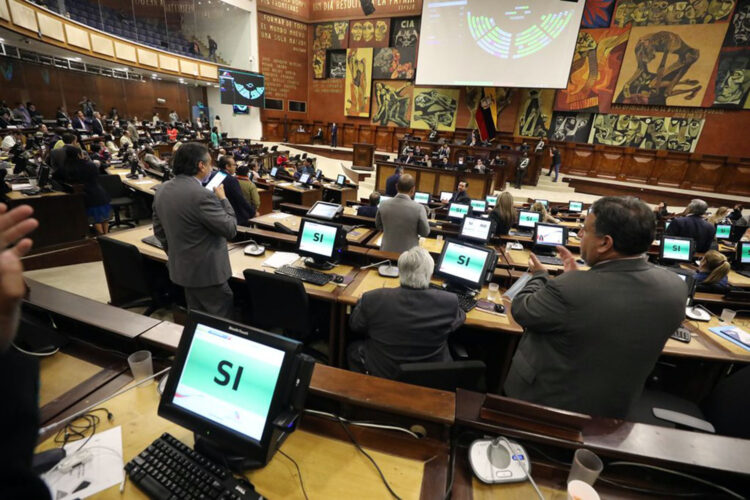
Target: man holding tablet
{"type": "Point", "coordinates": [592, 337]}
{"type": "Point", "coordinates": [193, 224]}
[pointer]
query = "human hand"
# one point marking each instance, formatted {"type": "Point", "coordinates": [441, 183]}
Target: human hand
{"type": "Point", "coordinates": [219, 192]}
{"type": "Point", "coordinates": [535, 265]}
{"type": "Point", "coordinates": [568, 259]}
{"type": "Point", "coordinates": [14, 225]}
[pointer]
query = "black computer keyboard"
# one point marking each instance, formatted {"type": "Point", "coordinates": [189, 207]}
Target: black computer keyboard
{"type": "Point", "coordinates": [314, 277]}
{"type": "Point", "coordinates": [521, 234]}
{"type": "Point", "coordinates": [682, 334]}
{"type": "Point", "coordinates": [169, 469]}
{"type": "Point", "coordinates": [153, 241]}
{"type": "Point", "coordinates": [465, 302]}
{"type": "Point", "coordinates": [746, 274]}
{"type": "Point", "coordinates": [549, 260]}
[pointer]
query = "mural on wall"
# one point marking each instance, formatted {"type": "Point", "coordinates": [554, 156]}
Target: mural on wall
{"type": "Point", "coordinates": [535, 113]}
{"type": "Point", "coordinates": [597, 13]}
{"type": "Point", "coordinates": [434, 108]}
{"type": "Point", "coordinates": [331, 35]}
{"type": "Point", "coordinates": [570, 127]}
{"type": "Point", "coordinates": [358, 82]}
{"type": "Point", "coordinates": [319, 64]}
{"type": "Point", "coordinates": [593, 74]}
{"type": "Point", "coordinates": [732, 84]}
{"type": "Point", "coordinates": [669, 65]}
{"type": "Point", "coordinates": [392, 103]}
{"type": "Point", "coordinates": [394, 63]}
{"type": "Point", "coordinates": [648, 132]}
{"type": "Point", "coordinates": [369, 33]}
{"type": "Point", "coordinates": [738, 34]}
{"type": "Point", "coordinates": [405, 31]}
{"type": "Point", "coordinates": [490, 102]}
{"type": "Point", "coordinates": [671, 12]}
{"type": "Point", "coordinates": [336, 64]}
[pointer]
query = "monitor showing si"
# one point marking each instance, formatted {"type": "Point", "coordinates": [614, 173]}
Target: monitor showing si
{"type": "Point", "coordinates": [464, 265]}
{"type": "Point", "coordinates": [677, 249]}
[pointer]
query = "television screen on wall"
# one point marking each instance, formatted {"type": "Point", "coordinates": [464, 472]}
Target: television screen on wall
{"type": "Point", "coordinates": [242, 88]}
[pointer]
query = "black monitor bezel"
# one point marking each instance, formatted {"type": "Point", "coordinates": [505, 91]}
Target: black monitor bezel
{"type": "Point", "coordinates": [529, 212]}
{"type": "Point", "coordinates": [336, 243]}
{"type": "Point", "coordinates": [543, 202]}
{"type": "Point", "coordinates": [716, 231]}
{"type": "Point", "coordinates": [576, 211]}
{"type": "Point", "coordinates": [341, 177]}
{"type": "Point", "coordinates": [451, 279]}
{"type": "Point", "coordinates": [310, 214]}
{"type": "Point", "coordinates": [497, 198]}
{"type": "Point", "coordinates": [471, 207]}
{"type": "Point", "coordinates": [738, 254]}
{"type": "Point", "coordinates": [472, 238]}
{"type": "Point", "coordinates": [468, 213]}
{"type": "Point", "coordinates": [556, 226]}
{"type": "Point", "coordinates": [422, 192]}
{"type": "Point", "coordinates": [223, 436]}
{"type": "Point", "coordinates": [692, 248]}
{"type": "Point", "coordinates": [271, 172]}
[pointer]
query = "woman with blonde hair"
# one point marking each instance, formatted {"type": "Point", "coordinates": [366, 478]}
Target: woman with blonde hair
{"type": "Point", "coordinates": [503, 215]}
{"type": "Point", "coordinates": [721, 216]}
{"type": "Point", "coordinates": [712, 273]}
{"type": "Point", "coordinates": [544, 218]}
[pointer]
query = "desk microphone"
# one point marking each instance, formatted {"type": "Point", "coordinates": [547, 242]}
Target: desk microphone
{"type": "Point", "coordinates": [385, 268]}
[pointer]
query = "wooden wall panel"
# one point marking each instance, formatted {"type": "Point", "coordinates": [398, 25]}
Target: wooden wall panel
{"type": "Point", "coordinates": [349, 135]}
{"type": "Point", "coordinates": [125, 52]}
{"type": "Point", "coordinates": [670, 171]}
{"type": "Point", "coordinates": [383, 138]}
{"type": "Point", "coordinates": [608, 162]}
{"type": "Point", "coordinates": [704, 174]}
{"type": "Point", "coordinates": [188, 67]}
{"type": "Point", "coordinates": [102, 45]}
{"type": "Point", "coordinates": [385, 172]}
{"type": "Point", "coordinates": [77, 37]}
{"type": "Point", "coordinates": [148, 58]}
{"type": "Point", "coordinates": [366, 134]}
{"type": "Point", "coordinates": [737, 180]}
{"type": "Point", "coordinates": [51, 27]}
{"type": "Point", "coordinates": [209, 71]}
{"type": "Point", "coordinates": [22, 15]}
{"type": "Point", "coordinates": [578, 161]}
{"type": "Point", "coordinates": [427, 182]}
{"type": "Point", "coordinates": [638, 165]}
{"type": "Point", "coordinates": [4, 13]}
{"type": "Point", "coordinates": [169, 63]}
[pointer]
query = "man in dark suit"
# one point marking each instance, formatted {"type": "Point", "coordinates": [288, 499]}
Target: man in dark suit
{"type": "Point", "coordinates": [694, 226]}
{"type": "Point", "coordinates": [243, 210]}
{"type": "Point", "coordinates": [334, 135]}
{"type": "Point", "coordinates": [57, 156]}
{"type": "Point", "coordinates": [592, 337]}
{"type": "Point", "coordinates": [97, 127]}
{"type": "Point", "coordinates": [402, 219]}
{"type": "Point", "coordinates": [409, 324]}
{"type": "Point", "coordinates": [390, 182]}
{"type": "Point", "coordinates": [370, 210]}
{"type": "Point", "coordinates": [193, 224]}
{"type": "Point", "coordinates": [461, 196]}
{"type": "Point", "coordinates": [79, 122]}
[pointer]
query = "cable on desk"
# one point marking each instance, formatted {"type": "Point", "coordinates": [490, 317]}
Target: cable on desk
{"type": "Point", "coordinates": [299, 473]}
{"type": "Point", "coordinates": [357, 445]}
{"type": "Point", "coordinates": [74, 430]}
{"type": "Point", "coordinates": [365, 424]}
{"type": "Point", "coordinates": [36, 354]}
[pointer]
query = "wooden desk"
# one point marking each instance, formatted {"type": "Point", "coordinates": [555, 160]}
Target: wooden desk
{"type": "Point", "coordinates": [736, 279]}
{"type": "Point", "coordinates": [434, 180]}
{"type": "Point", "coordinates": [340, 195]}
{"type": "Point", "coordinates": [294, 194]}
{"type": "Point", "coordinates": [54, 231]}
{"type": "Point", "coordinates": [355, 236]}
{"type": "Point", "coordinates": [432, 245]}
{"type": "Point", "coordinates": [146, 185]}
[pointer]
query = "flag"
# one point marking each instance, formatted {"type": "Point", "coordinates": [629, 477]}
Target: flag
{"type": "Point", "coordinates": [485, 115]}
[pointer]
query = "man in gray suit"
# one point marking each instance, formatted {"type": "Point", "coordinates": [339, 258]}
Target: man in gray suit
{"type": "Point", "coordinates": [592, 337]}
{"type": "Point", "coordinates": [194, 224]}
{"type": "Point", "coordinates": [410, 324]}
{"type": "Point", "coordinates": [401, 219]}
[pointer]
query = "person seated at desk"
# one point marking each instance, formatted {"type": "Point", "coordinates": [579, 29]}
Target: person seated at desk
{"type": "Point", "coordinates": [243, 210]}
{"type": "Point", "coordinates": [713, 272]}
{"type": "Point", "coordinates": [444, 163]}
{"type": "Point", "coordinates": [736, 214]}
{"type": "Point", "coordinates": [126, 140]}
{"type": "Point", "coordinates": [254, 173]}
{"type": "Point", "coordinates": [410, 159]}
{"type": "Point", "coordinates": [503, 216]}
{"type": "Point", "coordinates": [79, 122]}
{"type": "Point", "coordinates": [152, 161]}
{"type": "Point", "coordinates": [370, 210]}
{"type": "Point", "coordinates": [402, 219]}
{"type": "Point", "coordinates": [721, 216]}
{"type": "Point", "coordinates": [79, 169]}
{"type": "Point", "coordinates": [444, 151]}
{"type": "Point", "coordinates": [21, 113]}
{"type": "Point", "coordinates": [694, 226]}
{"type": "Point", "coordinates": [62, 117]}
{"type": "Point", "coordinates": [409, 324]}
{"type": "Point", "coordinates": [193, 225]}
{"type": "Point", "coordinates": [591, 338]}
{"type": "Point", "coordinates": [461, 196]}
{"type": "Point", "coordinates": [307, 168]}
{"type": "Point", "coordinates": [418, 151]}
{"type": "Point", "coordinates": [407, 149]}
{"type": "Point", "coordinates": [5, 119]}
{"type": "Point", "coordinates": [427, 161]}
{"type": "Point", "coordinates": [222, 152]}
{"type": "Point", "coordinates": [497, 161]}
{"type": "Point", "coordinates": [36, 116]}
{"type": "Point", "coordinates": [391, 181]}
{"type": "Point", "coordinates": [171, 133]}
{"type": "Point", "coordinates": [249, 189]}
{"type": "Point", "coordinates": [480, 167]}
{"type": "Point", "coordinates": [544, 216]}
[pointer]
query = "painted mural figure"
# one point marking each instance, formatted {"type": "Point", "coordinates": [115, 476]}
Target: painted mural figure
{"type": "Point", "coordinates": [434, 109]}
{"type": "Point", "coordinates": [532, 120]}
{"type": "Point", "coordinates": [392, 105]}
{"type": "Point", "coordinates": [358, 84]}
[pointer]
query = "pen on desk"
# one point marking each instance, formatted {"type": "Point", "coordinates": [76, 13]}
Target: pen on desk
{"type": "Point", "coordinates": [122, 484]}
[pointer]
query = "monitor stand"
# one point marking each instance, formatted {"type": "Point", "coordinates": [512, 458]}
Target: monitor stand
{"type": "Point", "coordinates": [545, 250]}
{"type": "Point", "coordinates": [314, 263]}
{"type": "Point", "coordinates": [235, 461]}
{"type": "Point", "coordinates": [459, 289]}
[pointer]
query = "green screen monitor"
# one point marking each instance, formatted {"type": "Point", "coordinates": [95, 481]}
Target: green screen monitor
{"type": "Point", "coordinates": [743, 253]}
{"type": "Point", "coordinates": [322, 242]}
{"type": "Point", "coordinates": [723, 231]}
{"type": "Point", "coordinates": [677, 249]}
{"type": "Point", "coordinates": [423, 198]}
{"type": "Point", "coordinates": [458, 211]}
{"type": "Point", "coordinates": [528, 219]}
{"type": "Point", "coordinates": [228, 384]}
{"type": "Point", "coordinates": [479, 206]}
{"type": "Point", "coordinates": [464, 265]}
{"type": "Point", "coordinates": [543, 202]}
{"type": "Point", "coordinates": [575, 206]}
{"type": "Point", "coordinates": [491, 200]}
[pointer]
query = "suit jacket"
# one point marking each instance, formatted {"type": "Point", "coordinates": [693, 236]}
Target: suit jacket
{"type": "Point", "coordinates": [57, 158]}
{"type": "Point", "coordinates": [243, 210]}
{"type": "Point", "coordinates": [402, 221]}
{"type": "Point", "coordinates": [592, 337]}
{"type": "Point", "coordinates": [693, 226]}
{"type": "Point", "coordinates": [79, 124]}
{"type": "Point", "coordinates": [97, 127]}
{"type": "Point", "coordinates": [390, 185]}
{"type": "Point", "coordinates": [405, 325]}
{"type": "Point", "coordinates": [367, 211]}
{"type": "Point", "coordinates": [461, 197]}
{"type": "Point", "coordinates": [193, 226]}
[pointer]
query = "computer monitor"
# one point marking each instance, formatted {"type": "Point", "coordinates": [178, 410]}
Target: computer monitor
{"type": "Point", "coordinates": [318, 174]}
{"type": "Point", "coordinates": [743, 254]}
{"type": "Point", "coordinates": [723, 231]}
{"type": "Point", "coordinates": [324, 210]}
{"type": "Point", "coordinates": [491, 200]}
{"type": "Point", "coordinates": [383, 198]}
{"type": "Point", "coordinates": [340, 180]}
{"type": "Point", "coordinates": [550, 235]}
{"type": "Point", "coordinates": [528, 219]}
{"type": "Point", "coordinates": [458, 211]}
{"type": "Point", "coordinates": [230, 384]}
{"type": "Point", "coordinates": [274, 171]}
{"type": "Point", "coordinates": [575, 206]}
{"type": "Point", "coordinates": [321, 242]}
{"type": "Point", "coordinates": [543, 202]}
{"type": "Point", "coordinates": [445, 196]}
{"type": "Point", "coordinates": [463, 265]}
{"type": "Point", "coordinates": [479, 206]}
{"type": "Point", "coordinates": [43, 178]}
{"type": "Point", "coordinates": [475, 229]}
{"type": "Point", "coordinates": [423, 198]}
{"type": "Point", "coordinates": [304, 179]}
{"type": "Point", "coordinates": [677, 249]}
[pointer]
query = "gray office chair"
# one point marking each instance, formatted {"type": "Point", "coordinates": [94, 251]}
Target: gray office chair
{"type": "Point", "coordinates": [121, 197]}
{"type": "Point", "coordinates": [445, 375]}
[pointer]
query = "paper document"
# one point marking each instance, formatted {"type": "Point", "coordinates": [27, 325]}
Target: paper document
{"type": "Point", "coordinates": [21, 187]}
{"type": "Point", "coordinates": [283, 183]}
{"type": "Point", "coordinates": [95, 467]}
{"type": "Point", "coordinates": [278, 215]}
{"type": "Point", "coordinates": [279, 259]}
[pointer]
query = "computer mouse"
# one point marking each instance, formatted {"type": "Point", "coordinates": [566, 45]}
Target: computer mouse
{"type": "Point", "coordinates": [338, 278]}
{"type": "Point", "coordinates": [580, 261]}
{"type": "Point", "coordinates": [254, 249]}
{"type": "Point", "coordinates": [499, 308]}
